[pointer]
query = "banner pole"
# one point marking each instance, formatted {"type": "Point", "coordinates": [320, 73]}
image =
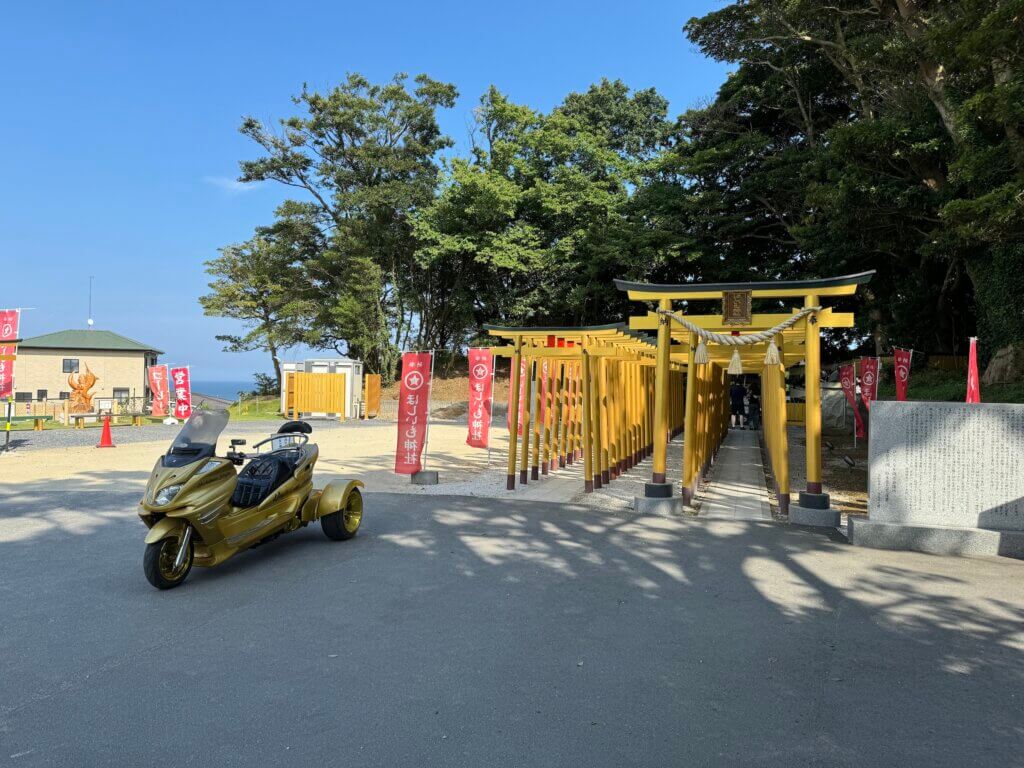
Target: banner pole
{"type": "Point", "coordinates": [490, 415]}
{"type": "Point", "coordinates": [426, 431]}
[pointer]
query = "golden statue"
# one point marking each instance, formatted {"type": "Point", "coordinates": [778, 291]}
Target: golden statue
{"type": "Point", "coordinates": [81, 400]}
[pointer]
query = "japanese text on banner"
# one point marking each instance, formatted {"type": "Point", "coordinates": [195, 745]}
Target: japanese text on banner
{"type": "Point", "coordinates": [182, 383]}
{"type": "Point", "coordinates": [413, 411]}
{"type": "Point", "coordinates": [158, 386]}
{"type": "Point", "coordinates": [481, 367]}
{"type": "Point", "coordinates": [868, 380]}
{"type": "Point", "coordinates": [9, 319]}
{"type": "Point", "coordinates": [848, 379]}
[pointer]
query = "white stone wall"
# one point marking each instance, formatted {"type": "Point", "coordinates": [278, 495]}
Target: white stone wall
{"type": "Point", "coordinates": [947, 464]}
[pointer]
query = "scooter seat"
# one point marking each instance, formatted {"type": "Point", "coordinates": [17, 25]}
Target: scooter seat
{"type": "Point", "coordinates": [259, 479]}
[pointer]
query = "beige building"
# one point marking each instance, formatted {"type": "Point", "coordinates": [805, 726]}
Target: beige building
{"type": "Point", "coordinates": [45, 362]}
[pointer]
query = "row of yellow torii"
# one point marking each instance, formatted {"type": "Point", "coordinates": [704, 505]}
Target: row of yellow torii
{"type": "Point", "coordinates": [615, 395]}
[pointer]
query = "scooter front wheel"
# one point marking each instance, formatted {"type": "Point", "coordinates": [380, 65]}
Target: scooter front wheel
{"type": "Point", "coordinates": [158, 563]}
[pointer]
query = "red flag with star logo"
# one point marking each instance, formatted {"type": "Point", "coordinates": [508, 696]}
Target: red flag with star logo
{"type": "Point", "coordinates": [413, 409]}
{"type": "Point", "coordinates": [848, 379]}
{"type": "Point", "coordinates": [901, 363]}
{"type": "Point", "coordinates": [481, 366]}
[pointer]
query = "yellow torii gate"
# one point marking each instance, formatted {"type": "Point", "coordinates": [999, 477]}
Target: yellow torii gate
{"type": "Point", "coordinates": [598, 399]}
{"type": "Point", "coordinates": [705, 383]}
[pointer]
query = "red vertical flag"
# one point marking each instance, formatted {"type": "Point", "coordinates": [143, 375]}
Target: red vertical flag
{"type": "Point", "coordinates": [973, 385]}
{"type": "Point", "coordinates": [481, 368]}
{"type": "Point", "coordinates": [8, 335]}
{"type": "Point", "coordinates": [157, 375]}
{"type": "Point", "coordinates": [182, 392]}
{"type": "Point", "coordinates": [901, 364]}
{"type": "Point", "coordinates": [868, 380]}
{"type": "Point", "coordinates": [413, 410]}
{"type": "Point", "coordinates": [848, 378]}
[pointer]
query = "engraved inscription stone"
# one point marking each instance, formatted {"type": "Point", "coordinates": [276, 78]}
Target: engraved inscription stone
{"type": "Point", "coordinates": [954, 465]}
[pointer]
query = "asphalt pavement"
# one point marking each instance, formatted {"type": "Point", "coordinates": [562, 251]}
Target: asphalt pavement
{"type": "Point", "coordinates": [480, 632]}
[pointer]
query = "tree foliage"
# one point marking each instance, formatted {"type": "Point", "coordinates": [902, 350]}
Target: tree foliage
{"type": "Point", "coordinates": [850, 135]}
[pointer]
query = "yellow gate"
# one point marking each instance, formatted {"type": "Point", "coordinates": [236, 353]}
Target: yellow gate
{"type": "Point", "coordinates": [371, 395]}
{"type": "Point", "coordinates": [315, 393]}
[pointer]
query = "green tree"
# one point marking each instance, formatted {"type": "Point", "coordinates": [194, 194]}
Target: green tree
{"type": "Point", "coordinates": [533, 227]}
{"type": "Point", "coordinates": [259, 283]}
{"type": "Point", "coordinates": [365, 157]}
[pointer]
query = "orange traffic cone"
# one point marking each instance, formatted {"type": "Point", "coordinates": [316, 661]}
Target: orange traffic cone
{"type": "Point", "coordinates": [106, 441]}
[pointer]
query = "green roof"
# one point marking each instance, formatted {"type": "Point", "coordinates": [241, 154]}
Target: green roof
{"type": "Point", "coordinates": [87, 339]}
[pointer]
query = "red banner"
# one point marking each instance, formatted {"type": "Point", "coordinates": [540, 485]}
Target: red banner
{"type": "Point", "coordinates": [182, 382]}
{"type": "Point", "coordinates": [901, 365]}
{"type": "Point", "coordinates": [481, 369]}
{"type": "Point", "coordinates": [868, 380]}
{"type": "Point", "coordinates": [413, 410]}
{"type": "Point", "coordinates": [157, 375]}
{"type": "Point", "coordinates": [973, 385]}
{"type": "Point", "coordinates": [522, 389]}
{"type": "Point", "coordinates": [848, 378]}
{"type": "Point", "coordinates": [8, 333]}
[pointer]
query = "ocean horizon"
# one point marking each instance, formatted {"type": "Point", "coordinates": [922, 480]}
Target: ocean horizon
{"type": "Point", "coordinates": [227, 389]}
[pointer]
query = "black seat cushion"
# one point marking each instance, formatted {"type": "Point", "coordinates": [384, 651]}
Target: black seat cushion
{"type": "Point", "coordinates": [259, 479]}
{"type": "Point", "coordinates": [289, 427]}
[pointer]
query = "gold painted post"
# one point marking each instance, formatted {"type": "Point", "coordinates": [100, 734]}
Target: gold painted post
{"type": "Point", "coordinates": [573, 393]}
{"type": "Point", "coordinates": [585, 398]}
{"type": "Point", "coordinates": [689, 423]}
{"type": "Point", "coordinates": [555, 395]}
{"type": "Point", "coordinates": [611, 416]}
{"type": "Point", "coordinates": [661, 384]}
{"type": "Point", "coordinates": [595, 417]}
{"type": "Point", "coordinates": [527, 396]}
{"type": "Point", "coordinates": [603, 428]}
{"type": "Point", "coordinates": [782, 439]}
{"type": "Point", "coordinates": [563, 410]}
{"type": "Point", "coordinates": [548, 416]}
{"type": "Point", "coordinates": [538, 425]}
{"type": "Point", "coordinates": [510, 480]}
{"type": "Point", "coordinates": [812, 416]}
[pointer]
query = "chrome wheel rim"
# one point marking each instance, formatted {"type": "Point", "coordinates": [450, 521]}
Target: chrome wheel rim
{"type": "Point", "coordinates": [352, 515]}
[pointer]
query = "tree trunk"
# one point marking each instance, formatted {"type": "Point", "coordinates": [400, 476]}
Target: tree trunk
{"type": "Point", "coordinates": [933, 73]}
{"type": "Point", "coordinates": [272, 348]}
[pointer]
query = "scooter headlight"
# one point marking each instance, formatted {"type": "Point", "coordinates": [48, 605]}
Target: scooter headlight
{"type": "Point", "coordinates": [165, 495]}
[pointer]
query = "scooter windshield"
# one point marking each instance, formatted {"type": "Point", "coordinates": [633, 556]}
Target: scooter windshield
{"type": "Point", "coordinates": [198, 438]}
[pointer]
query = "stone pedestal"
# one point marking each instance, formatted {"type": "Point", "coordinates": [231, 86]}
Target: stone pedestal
{"type": "Point", "coordinates": [425, 477]}
{"type": "Point", "coordinates": [818, 518]}
{"type": "Point", "coordinates": [660, 506]}
{"type": "Point", "coordinates": [814, 509]}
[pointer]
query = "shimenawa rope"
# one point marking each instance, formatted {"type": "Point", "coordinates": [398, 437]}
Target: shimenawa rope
{"type": "Point", "coordinates": [771, 357]}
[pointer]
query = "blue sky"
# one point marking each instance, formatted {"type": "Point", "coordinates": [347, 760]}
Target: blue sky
{"type": "Point", "coordinates": [120, 121]}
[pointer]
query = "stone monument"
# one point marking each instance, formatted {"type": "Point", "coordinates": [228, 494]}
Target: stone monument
{"type": "Point", "coordinates": [946, 478]}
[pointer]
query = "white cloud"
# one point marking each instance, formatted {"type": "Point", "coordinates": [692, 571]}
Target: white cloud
{"type": "Point", "coordinates": [231, 186]}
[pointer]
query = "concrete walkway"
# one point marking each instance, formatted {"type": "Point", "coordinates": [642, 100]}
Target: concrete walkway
{"type": "Point", "coordinates": [736, 489]}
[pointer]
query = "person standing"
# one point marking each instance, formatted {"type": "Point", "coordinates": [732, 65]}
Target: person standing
{"type": "Point", "coordinates": [753, 409]}
{"type": "Point", "coordinates": [736, 394]}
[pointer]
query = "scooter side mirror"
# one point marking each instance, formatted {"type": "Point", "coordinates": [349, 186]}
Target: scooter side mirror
{"type": "Point", "coordinates": [237, 442]}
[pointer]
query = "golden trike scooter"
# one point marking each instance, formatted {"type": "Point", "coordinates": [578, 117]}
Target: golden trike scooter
{"type": "Point", "coordinates": [200, 512]}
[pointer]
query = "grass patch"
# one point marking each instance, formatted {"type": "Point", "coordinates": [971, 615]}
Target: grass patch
{"type": "Point", "coordinates": [256, 409]}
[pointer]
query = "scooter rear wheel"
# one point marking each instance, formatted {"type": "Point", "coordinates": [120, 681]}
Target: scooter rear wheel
{"type": "Point", "coordinates": [158, 563]}
{"type": "Point", "coordinates": [344, 524]}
